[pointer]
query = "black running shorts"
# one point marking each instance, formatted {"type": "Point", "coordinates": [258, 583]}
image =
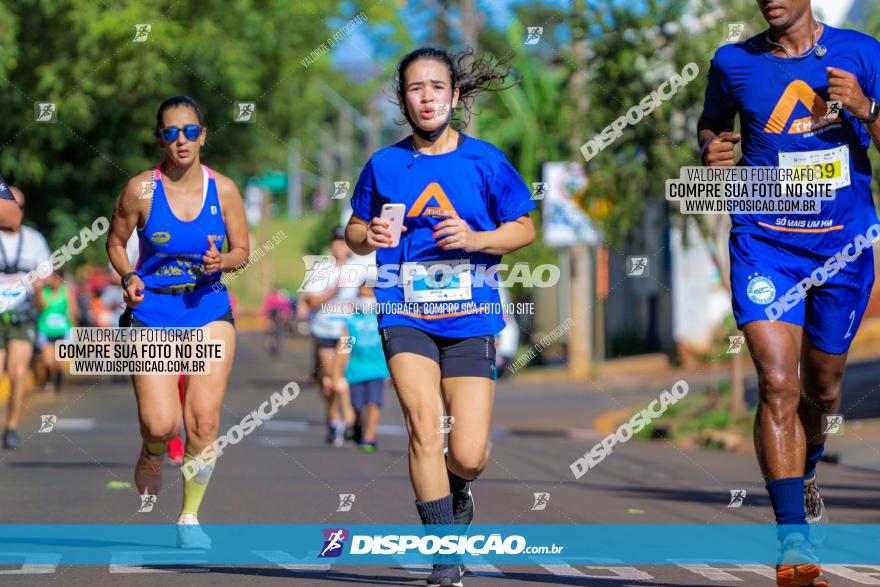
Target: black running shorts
{"type": "Point", "coordinates": [457, 357]}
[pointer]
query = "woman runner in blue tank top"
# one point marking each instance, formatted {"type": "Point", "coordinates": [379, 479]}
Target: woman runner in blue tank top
{"type": "Point", "coordinates": [183, 213]}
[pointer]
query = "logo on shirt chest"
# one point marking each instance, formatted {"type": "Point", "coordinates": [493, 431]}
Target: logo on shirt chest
{"type": "Point", "coordinates": [159, 238]}
{"type": "Point", "coordinates": [432, 194]}
{"type": "Point", "coordinates": [799, 92]}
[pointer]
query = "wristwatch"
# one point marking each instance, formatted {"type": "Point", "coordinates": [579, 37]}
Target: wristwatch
{"type": "Point", "coordinates": [874, 112]}
{"type": "Point", "coordinates": [126, 278]}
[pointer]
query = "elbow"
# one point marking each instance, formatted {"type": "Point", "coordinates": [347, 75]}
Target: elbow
{"type": "Point", "coordinates": [531, 235]}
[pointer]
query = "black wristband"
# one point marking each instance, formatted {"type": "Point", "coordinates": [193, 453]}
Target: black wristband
{"type": "Point", "coordinates": [126, 278]}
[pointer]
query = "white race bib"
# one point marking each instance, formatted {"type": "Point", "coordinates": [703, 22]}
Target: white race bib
{"type": "Point", "coordinates": [436, 281]}
{"type": "Point", "coordinates": [831, 165]}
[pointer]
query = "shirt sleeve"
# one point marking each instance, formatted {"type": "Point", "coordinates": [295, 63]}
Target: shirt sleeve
{"type": "Point", "coordinates": [364, 203]}
{"type": "Point", "coordinates": [869, 80]}
{"type": "Point", "coordinates": [509, 197]}
{"type": "Point", "coordinates": [720, 103]}
{"type": "Point", "coordinates": [5, 192]}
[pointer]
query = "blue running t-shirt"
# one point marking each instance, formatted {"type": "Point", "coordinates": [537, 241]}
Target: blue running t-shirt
{"type": "Point", "coordinates": [785, 120]}
{"type": "Point", "coordinates": [476, 182]}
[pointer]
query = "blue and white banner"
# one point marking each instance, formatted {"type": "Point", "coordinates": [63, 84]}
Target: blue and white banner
{"type": "Point", "coordinates": [524, 544]}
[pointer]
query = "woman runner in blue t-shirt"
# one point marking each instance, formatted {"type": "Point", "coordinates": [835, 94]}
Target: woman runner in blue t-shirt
{"type": "Point", "coordinates": [183, 212]}
{"type": "Point", "coordinates": [465, 207]}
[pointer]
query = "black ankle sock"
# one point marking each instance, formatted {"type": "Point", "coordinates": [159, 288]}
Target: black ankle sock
{"type": "Point", "coordinates": [457, 483]}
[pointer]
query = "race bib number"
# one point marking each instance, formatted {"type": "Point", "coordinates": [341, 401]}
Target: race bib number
{"type": "Point", "coordinates": [831, 166]}
{"type": "Point", "coordinates": [436, 281]}
{"type": "Point", "coordinates": [56, 321]}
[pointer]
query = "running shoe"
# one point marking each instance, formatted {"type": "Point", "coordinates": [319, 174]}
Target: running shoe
{"type": "Point", "coordinates": [463, 506]}
{"type": "Point", "coordinates": [11, 439]}
{"type": "Point", "coordinates": [190, 534]}
{"type": "Point", "coordinates": [331, 432]}
{"type": "Point", "coordinates": [445, 576]}
{"type": "Point", "coordinates": [338, 434]}
{"type": "Point", "coordinates": [817, 517]}
{"type": "Point", "coordinates": [813, 503]}
{"type": "Point", "coordinates": [798, 566]}
{"type": "Point", "coordinates": [148, 473]}
{"type": "Point", "coordinates": [174, 450]}
{"type": "Point", "coordinates": [351, 433]}
{"type": "Point", "coordinates": [367, 447]}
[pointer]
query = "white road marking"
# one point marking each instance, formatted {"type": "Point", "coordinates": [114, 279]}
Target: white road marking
{"type": "Point", "coordinates": [286, 561]}
{"type": "Point", "coordinates": [163, 557]}
{"type": "Point", "coordinates": [871, 577]}
{"type": "Point", "coordinates": [34, 563]}
{"type": "Point", "coordinates": [483, 570]}
{"type": "Point", "coordinates": [714, 573]}
{"type": "Point", "coordinates": [74, 424]}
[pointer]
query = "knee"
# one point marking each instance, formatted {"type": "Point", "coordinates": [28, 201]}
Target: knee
{"type": "Point", "coordinates": [425, 436]}
{"type": "Point", "coordinates": [825, 390]}
{"type": "Point", "coordinates": [780, 391]}
{"type": "Point", "coordinates": [204, 426]}
{"type": "Point", "coordinates": [468, 465]}
{"type": "Point", "coordinates": [158, 430]}
{"type": "Point", "coordinates": [18, 372]}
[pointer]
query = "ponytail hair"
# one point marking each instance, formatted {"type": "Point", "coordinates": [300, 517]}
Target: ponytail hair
{"type": "Point", "coordinates": [470, 74]}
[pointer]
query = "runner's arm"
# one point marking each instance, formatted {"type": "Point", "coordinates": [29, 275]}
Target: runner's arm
{"type": "Point", "coordinates": [715, 134]}
{"type": "Point", "coordinates": [508, 237]}
{"type": "Point", "coordinates": [238, 247]}
{"type": "Point", "coordinates": [314, 300]}
{"type": "Point", "coordinates": [125, 219]}
{"type": "Point", "coordinates": [844, 87]}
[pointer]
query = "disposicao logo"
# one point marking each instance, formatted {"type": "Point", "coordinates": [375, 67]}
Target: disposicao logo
{"type": "Point", "coordinates": [334, 542]}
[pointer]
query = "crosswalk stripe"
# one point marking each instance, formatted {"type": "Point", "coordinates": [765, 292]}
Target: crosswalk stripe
{"type": "Point", "coordinates": [564, 570]}
{"type": "Point", "coordinates": [286, 561]}
{"type": "Point", "coordinates": [483, 570]}
{"type": "Point", "coordinates": [33, 564]}
{"type": "Point", "coordinates": [74, 424]}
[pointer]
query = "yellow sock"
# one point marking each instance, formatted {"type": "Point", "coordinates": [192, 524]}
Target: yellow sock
{"type": "Point", "coordinates": [155, 448]}
{"type": "Point", "coordinates": [194, 488]}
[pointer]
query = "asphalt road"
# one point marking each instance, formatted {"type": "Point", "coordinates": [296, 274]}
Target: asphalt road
{"type": "Point", "coordinates": [283, 473]}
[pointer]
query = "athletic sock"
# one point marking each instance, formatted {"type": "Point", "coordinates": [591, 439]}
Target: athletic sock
{"type": "Point", "coordinates": [194, 487]}
{"type": "Point", "coordinates": [437, 513]}
{"type": "Point", "coordinates": [787, 497]}
{"type": "Point", "coordinates": [814, 455]}
{"type": "Point", "coordinates": [456, 483]}
{"type": "Point", "coordinates": [155, 449]}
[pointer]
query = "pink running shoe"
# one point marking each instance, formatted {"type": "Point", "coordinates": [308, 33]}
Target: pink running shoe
{"type": "Point", "coordinates": [174, 450]}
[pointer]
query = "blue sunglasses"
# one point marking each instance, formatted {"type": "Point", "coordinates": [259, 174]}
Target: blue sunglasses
{"type": "Point", "coordinates": [190, 131]}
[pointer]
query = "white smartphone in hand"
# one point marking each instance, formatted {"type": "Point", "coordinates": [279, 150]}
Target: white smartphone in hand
{"type": "Point", "coordinates": [393, 215]}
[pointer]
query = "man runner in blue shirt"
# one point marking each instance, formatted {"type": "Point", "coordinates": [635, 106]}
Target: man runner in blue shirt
{"type": "Point", "coordinates": [806, 96]}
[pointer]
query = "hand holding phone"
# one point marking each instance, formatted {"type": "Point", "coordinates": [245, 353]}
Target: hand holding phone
{"type": "Point", "coordinates": [384, 231]}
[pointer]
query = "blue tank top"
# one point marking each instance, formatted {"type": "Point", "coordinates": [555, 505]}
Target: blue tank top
{"type": "Point", "coordinates": [171, 253]}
